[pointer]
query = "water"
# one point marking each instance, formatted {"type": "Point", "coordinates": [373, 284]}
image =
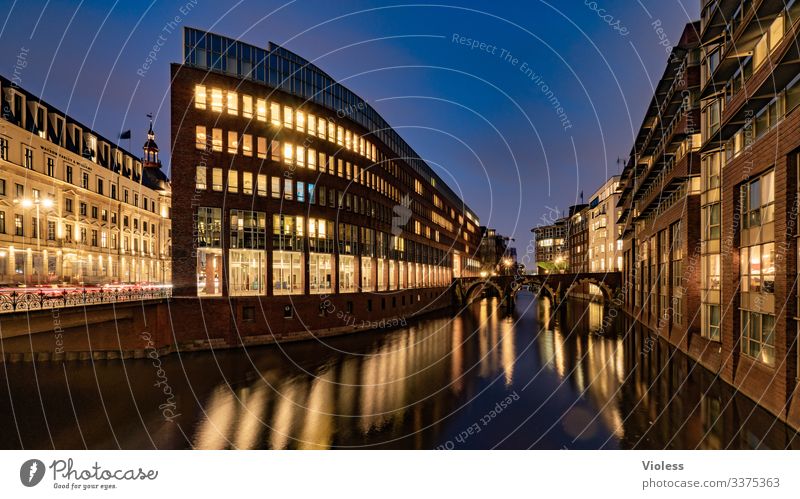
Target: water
{"type": "Point", "coordinates": [482, 379]}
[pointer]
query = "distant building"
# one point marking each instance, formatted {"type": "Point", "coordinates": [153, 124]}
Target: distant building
{"type": "Point", "coordinates": [75, 208]}
{"type": "Point", "coordinates": [578, 238]}
{"type": "Point", "coordinates": [551, 253]}
{"type": "Point", "coordinates": [605, 234]}
{"type": "Point", "coordinates": [492, 250]}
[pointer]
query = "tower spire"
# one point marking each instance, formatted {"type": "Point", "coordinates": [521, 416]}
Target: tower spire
{"type": "Point", "coordinates": [150, 148]}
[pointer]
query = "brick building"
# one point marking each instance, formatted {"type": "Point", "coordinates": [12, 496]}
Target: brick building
{"type": "Point", "coordinates": [298, 208]}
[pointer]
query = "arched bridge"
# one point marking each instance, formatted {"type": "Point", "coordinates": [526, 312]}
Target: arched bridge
{"type": "Point", "coordinates": [556, 286]}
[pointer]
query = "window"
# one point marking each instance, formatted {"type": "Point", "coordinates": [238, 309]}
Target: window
{"type": "Point", "coordinates": [216, 139]}
{"type": "Point", "coordinates": [347, 274]}
{"type": "Point", "coordinates": [3, 149]}
{"type": "Point", "coordinates": [51, 167]}
{"type": "Point", "coordinates": [209, 256]}
{"type": "Point", "coordinates": [261, 109]}
{"type": "Point", "coordinates": [199, 97]}
{"type": "Point", "coordinates": [262, 185]}
{"type": "Point", "coordinates": [216, 179]}
{"type": "Point", "coordinates": [247, 106]}
{"type": "Point", "coordinates": [287, 272]}
{"type": "Point", "coordinates": [276, 187]}
{"type": "Point", "coordinates": [28, 158]}
{"type": "Point", "coordinates": [366, 274]}
{"type": "Point", "coordinates": [19, 225]}
{"type": "Point", "coordinates": [247, 144]}
{"type": "Point", "coordinates": [288, 189]}
{"type": "Point", "coordinates": [248, 230]}
{"type": "Point", "coordinates": [2, 225]}
{"type": "Point", "coordinates": [200, 137]}
{"type": "Point", "coordinates": [758, 201]}
{"type": "Point", "coordinates": [247, 272]}
{"type": "Point", "coordinates": [247, 183]}
{"type": "Point", "coordinates": [320, 273]}
{"type": "Point", "coordinates": [301, 192]}
{"type": "Point", "coordinates": [711, 322]}
{"type": "Point", "coordinates": [68, 205]}
{"type": "Point", "coordinates": [288, 115]}
{"type": "Point", "coordinates": [233, 181]}
{"type": "Point", "coordinates": [275, 113]}
{"type": "Point", "coordinates": [676, 272]}
{"type": "Point", "coordinates": [200, 181]}
{"type": "Point", "coordinates": [711, 221]}
{"type": "Point", "coordinates": [757, 268]}
{"type": "Point", "coordinates": [758, 336]}
{"type": "Point", "coordinates": [216, 100]}
{"type": "Point", "coordinates": [233, 143]}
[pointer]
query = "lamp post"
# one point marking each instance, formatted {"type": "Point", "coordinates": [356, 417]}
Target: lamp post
{"type": "Point", "coordinates": [27, 203]}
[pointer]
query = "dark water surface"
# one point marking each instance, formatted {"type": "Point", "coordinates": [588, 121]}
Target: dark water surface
{"type": "Point", "coordinates": [482, 379]}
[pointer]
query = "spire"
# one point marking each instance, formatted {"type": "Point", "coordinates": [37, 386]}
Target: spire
{"type": "Point", "coordinates": [150, 148]}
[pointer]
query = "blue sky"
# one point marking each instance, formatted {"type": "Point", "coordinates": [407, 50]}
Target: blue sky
{"type": "Point", "coordinates": [518, 127]}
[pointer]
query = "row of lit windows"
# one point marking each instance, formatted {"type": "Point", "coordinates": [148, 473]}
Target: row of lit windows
{"type": "Point", "coordinates": [286, 116]}
{"type": "Point", "coordinates": [247, 273]}
{"type": "Point", "coordinates": [296, 155]}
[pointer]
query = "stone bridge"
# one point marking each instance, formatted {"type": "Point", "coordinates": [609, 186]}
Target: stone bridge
{"type": "Point", "coordinates": [556, 286]}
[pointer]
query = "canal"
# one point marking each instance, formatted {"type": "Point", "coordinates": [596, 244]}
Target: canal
{"type": "Point", "coordinates": [536, 378]}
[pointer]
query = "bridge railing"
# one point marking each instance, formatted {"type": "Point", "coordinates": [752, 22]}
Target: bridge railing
{"type": "Point", "coordinates": [12, 300]}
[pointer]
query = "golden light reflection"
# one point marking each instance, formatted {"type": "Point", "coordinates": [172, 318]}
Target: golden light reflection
{"type": "Point", "coordinates": [509, 350]}
{"type": "Point", "coordinates": [215, 428]}
{"type": "Point", "coordinates": [251, 416]}
{"type": "Point", "coordinates": [289, 402]}
{"type": "Point", "coordinates": [317, 432]}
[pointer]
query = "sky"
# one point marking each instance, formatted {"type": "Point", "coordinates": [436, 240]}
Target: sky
{"type": "Point", "coordinates": [519, 106]}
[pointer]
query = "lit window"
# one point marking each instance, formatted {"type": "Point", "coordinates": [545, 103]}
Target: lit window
{"type": "Point", "coordinates": [275, 149]}
{"type": "Point", "coordinates": [300, 121]}
{"type": "Point", "coordinates": [331, 131]}
{"type": "Point", "coordinates": [276, 187]}
{"type": "Point", "coordinates": [216, 139]}
{"type": "Point", "coordinates": [199, 96]}
{"type": "Point", "coordinates": [247, 183]}
{"type": "Point", "coordinates": [288, 189]}
{"type": "Point", "coordinates": [321, 128]}
{"type": "Point", "coordinates": [262, 185]}
{"type": "Point", "coordinates": [247, 145]}
{"type": "Point", "coordinates": [275, 113]}
{"type": "Point", "coordinates": [233, 142]}
{"type": "Point", "coordinates": [261, 109]}
{"type": "Point", "coordinates": [200, 137]}
{"type": "Point", "coordinates": [340, 135]}
{"type": "Point", "coordinates": [200, 181]}
{"type": "Point", "coordinates": [233, 181]}
{"type": "Point", "coordinates": [312, 124]}
{"type": "Point", "coordinates": [301, 192]}
{"type": "Point", "coordinates": [216, 179]}
{"type": "Point", "coordinates": [312, 159]}
{"type": "Point", "coordinates": [301, 156]}
{"type": "Point", "coordinates": [288, 114]}
{"type": "Point", "coordinates": [348, 140]}
{"type": "Point", "coordinates": [262, 147]}
{"type": "Point", "coordinates": [288, 150]}
{"type": "Point", "coordinates": [216, 100]}
{"type": "Point", "coordinates": [247, 106]}
{"type": "Point", "coordinates": [233, 103]}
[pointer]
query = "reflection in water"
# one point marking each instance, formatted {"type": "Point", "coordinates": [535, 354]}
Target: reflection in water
{"type": "Point", "coordinates": [561, 383]}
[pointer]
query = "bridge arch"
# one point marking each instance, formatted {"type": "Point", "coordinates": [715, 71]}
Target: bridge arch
{"type": "Point", "coordinates": [605, 290]}
{"type": "Point", "coordinates": [473, 290]}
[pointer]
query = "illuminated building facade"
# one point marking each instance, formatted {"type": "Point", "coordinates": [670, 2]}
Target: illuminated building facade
{"type": "Point", "coordinates": [292, 191]}
{"type": "Point", "coordinates": [75, 208]}
{"type": "Point", "coordinates": [605, 234]}
{"type": "Point", "coordinates": [750, 94]}
{"type": "Point", "coordinates": [660, 200]}
{"type": "Point", "coordinates": [551, 251]}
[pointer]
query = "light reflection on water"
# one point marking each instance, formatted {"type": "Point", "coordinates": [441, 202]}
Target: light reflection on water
{"type": "Point", "coordinates": [541, 377]}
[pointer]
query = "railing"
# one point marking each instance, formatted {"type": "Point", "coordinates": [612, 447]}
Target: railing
{"type": "Point", "coordinates": [12, 300]}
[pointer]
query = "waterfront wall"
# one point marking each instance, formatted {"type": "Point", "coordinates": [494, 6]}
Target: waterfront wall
{"type": "Point", "coordinates": [136, 329]}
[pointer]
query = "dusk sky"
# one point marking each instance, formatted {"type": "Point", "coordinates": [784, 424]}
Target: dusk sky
{"type": "Point", "coordinates": [482, 120]}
